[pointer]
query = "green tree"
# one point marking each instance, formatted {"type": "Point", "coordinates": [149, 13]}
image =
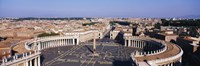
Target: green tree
{"type": "Point", "coordinates": [47, 34]}
{"type": "Point", "coordinates": [193, 32]}
{"type": "Point", "coordinates": [157, 25]}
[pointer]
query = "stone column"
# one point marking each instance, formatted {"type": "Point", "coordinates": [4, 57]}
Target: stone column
{"type": "Point", "coordinates": [139, 44]}
{"type": "Point", "coordinates": [24, 63]}
{"type": "Point", "coordinates": [49, 44]}
{"type": "Point", "coordinates": [35, 62]}
{"type": "Point", "coordinates": [125, 42]}
{"type": "Point", "coordinates": [3, 61]}
{"type": "Point", "coordinates": [143, 44]}
{"type": "Point", "coordinates": [45, 44]}
{"type": "Point", "coordinates": [73, 41]}
{"type": "Point", "coordinates": [129, 42]}
{"type": "Point", "coordinates": [62, 42]}
{"type": "Point", "coordinates": [77, 40]}
{"type": "Point", "coordinates": [27, 63]}
{"type": "Point", "coordinates": [39, 46]}
{"type": "Point", "coordinates": [38, 61]}
{"type": "Point", "coordinates": [68, 42]}
{"type": "Point", "coordinates": [52, 43]}
{"type": "Point", "coordinates": [134, 44]}
{"type": "Point", "coordinates": [171, 64]}
{"type": "Point", "coordinates": [58, 43]}
{"type": "Point", "coordinates": [180, 60]}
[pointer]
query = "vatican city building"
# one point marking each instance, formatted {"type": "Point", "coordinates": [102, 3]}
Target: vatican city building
{"type": "Point", "coordinates": [101, 44]}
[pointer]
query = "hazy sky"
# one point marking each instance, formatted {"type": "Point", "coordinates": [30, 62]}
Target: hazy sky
{"type": "Point", "coordinates": [99, 8]}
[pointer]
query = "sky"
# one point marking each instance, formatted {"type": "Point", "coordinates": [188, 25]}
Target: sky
{"type": "Point", "coordinates": [99, 8]}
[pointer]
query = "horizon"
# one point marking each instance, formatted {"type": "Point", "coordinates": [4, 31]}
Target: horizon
{"type": "Point", "coordinates": [100, 8]}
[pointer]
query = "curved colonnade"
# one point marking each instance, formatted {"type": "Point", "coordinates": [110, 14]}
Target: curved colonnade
{"type": "Point", "coordinates": [150, 46]}
{"type": "Point", "coordinates": [166, 54]}
{"type": "Point", "coordinates": [163, 54]}
{"type": "Point", "coordinates": [52, 41]}
{"type": "Point", "coordinates": [32, 58]}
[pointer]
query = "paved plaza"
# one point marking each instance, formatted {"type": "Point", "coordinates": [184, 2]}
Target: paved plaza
{"type": "Point", "coordinates": [110, 54]}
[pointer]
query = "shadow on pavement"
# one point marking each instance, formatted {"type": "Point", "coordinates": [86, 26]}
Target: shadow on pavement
{"type": "Point", "coordinates": [122, 63]}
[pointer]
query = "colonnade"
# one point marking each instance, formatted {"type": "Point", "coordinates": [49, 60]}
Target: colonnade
{"type": "Point", "coordinates": [33, 58]}
{"type": "Point", "coordinates": [147, 53]}
{"type": "Point", "coordinates": [149, 43]}
{"type": "Point", "coordinates": [149, 47]}
{"type": "Point", "coordinates": [177, 63]}
{"type": "Point", "coordinates": [25, 59]}
{"type": "Point", "coordinates": [141, 43]}
{"type": "Point", "coordinates": [177, 59]}
{"type": "Point", "coordinates": [44, 43]}
{"type": "Point", "coordinates": [33, 62]}
{"type": "Point", "coordinates": [137, 43]}
{"type": "Point", "coordinates": [57, 42]}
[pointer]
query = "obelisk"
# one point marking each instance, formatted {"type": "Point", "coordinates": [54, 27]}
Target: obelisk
{"type": "Point", "coordinates": [94, 44]}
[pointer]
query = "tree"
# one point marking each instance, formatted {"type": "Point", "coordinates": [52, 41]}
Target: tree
{"type": "Point", "coordinates": [47, 34]}
{"type": "Point", "coordinates": [157, 25]}
{"type": "Point", "coordinates": [193, 32]}
{"type": "Point", "coordinates": [183, 34]}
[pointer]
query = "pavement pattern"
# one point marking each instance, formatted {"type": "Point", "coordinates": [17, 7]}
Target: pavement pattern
{"type": "Point", "coordinates": [110, 54]}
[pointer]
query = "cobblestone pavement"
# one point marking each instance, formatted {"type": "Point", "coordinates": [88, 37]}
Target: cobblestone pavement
{"type": "Point", "coordinates": [110, 54]}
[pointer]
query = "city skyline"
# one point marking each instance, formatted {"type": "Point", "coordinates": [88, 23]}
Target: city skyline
{"type": "Point", "coordinates": [100, 8]}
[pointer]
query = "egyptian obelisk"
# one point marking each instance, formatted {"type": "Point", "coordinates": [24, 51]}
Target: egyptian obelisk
{"type": "Point", "coordinates": [94, 44]}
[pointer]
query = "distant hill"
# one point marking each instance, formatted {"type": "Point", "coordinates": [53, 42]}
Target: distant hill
{"type": "Point", "coordinates": [190, 16]}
